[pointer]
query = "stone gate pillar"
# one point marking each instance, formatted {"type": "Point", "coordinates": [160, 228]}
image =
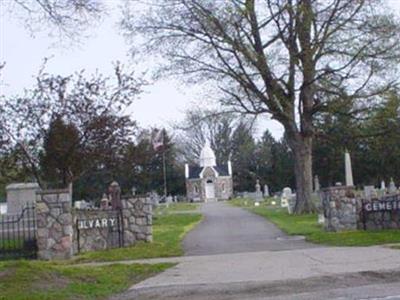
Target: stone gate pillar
{"type": "Point", "coordinates": [54, 224]}
{"type": "Point", "coordinates": [340, 208]}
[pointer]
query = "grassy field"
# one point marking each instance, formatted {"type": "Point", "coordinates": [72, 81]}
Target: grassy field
{"type": "Point", "coordinates": [308, 226]}
{"type": "Point", "coordinates": [169, 228]}
{"type": "Point", "coordinates": [23, 280]}
{"type": "Point", "coordinates": [176, 207]}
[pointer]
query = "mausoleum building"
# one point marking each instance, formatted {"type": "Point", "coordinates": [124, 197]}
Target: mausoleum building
{"type": "Point", "coordinates": [208, 181]}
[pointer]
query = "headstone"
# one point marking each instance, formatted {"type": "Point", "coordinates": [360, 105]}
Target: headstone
{"type": "Point", "coordinates": [383, 185]}
{"type": "Point", "coordinates": [133, 190]}
{"type": "Point", "coordinates": [115, 195]}
{"type": "Point", "coordinates": [291, 203]}
{"type": "Point", "coordinates": [321, 219]}
{"type": "Point", "coordinates": [338, 183]}
{"type": "Point", "coordinates": [284, 202]}
{"type": "Point", "coordinates": [169, 199]}
{"type": "Point", "coordinates": [154, 198]}
{"type": "Point", "coordinates": [316, 184]}
{"type": "Point", "coordinates": [266, 191]}
{"type": "Point", "coordinates": [256, 203]}
{"type": "Point", "coordinates": [287, 192]}
{"type": "Point", "coordinates": [348, 169]}
{"type": "Point", "coordinates": [258, 195]}
{"type": "Point", "coordinates": [273, 202]}
{"type": "Point", "coordinates": [19, 195]}
{"type": "Point", "coordinates": [3, 208]}
{"type": "Point", "coordinates": [370, 192]}
{"type": "Point", "coordinates": [258, 186]}
{"type": "Point", "coordinates": [286, 195]}
{"type": "Point", "coordinates": [392, 186]}
{"type": "Point", "coordinates": [104, 202]}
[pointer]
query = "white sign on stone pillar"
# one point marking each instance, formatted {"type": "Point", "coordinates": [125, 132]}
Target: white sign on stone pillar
{"type": "Point", "coordinates": [348, 170]}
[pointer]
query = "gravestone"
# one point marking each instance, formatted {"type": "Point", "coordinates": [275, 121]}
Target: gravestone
{"type": "Point", "coordinates": [316, 184]}
{"type": "Point", "coordinates": [348, 169]}
{"type": "Point", "coordinates": [169, 199]}
{"type": "Point", "coordinates": [20, 195]}
{"type": "Point", "coordinates": [115, 195]}
{"type": "Point", "coordinates": [383, 185]}
{"type": "Point", "coordinates": [266, 191]}
{"type": "Point", "coordinates": [258, 195]}
{"type": "Point", "coordinates": [104, 202]}
{"type": "Point", "coordinates": [287, 192]}
{"type": "Point", "coordinates": [3, 208]}
{"type": "Point", "coordinates": [370, 192]}
{"type": "Point", "coordinates": [392, 186]}
{"type": "Point", "coordinates": [286, 195]}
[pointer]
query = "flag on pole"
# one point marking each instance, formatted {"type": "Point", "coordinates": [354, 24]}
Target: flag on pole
{"type": "Point", "coordinates": [158, 139]}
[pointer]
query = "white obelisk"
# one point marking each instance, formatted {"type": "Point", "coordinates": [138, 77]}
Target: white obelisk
{"type": "Point", "coordinates": [348, 170]}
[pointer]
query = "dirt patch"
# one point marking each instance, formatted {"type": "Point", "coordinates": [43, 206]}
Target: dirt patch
{"type": "Point", "coordinates": [54, 281]}
{"type": "Point", "coordinates": [8, 272]}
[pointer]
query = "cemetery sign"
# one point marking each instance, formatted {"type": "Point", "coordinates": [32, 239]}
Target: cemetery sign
{"type": "Point", "coordinates": [97, 223]}
{"type": "Point", "coordinates": [388, 203]}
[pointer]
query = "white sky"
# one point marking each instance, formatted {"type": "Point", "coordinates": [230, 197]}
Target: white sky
{"type": "Point", "coordinates": [162, 103]}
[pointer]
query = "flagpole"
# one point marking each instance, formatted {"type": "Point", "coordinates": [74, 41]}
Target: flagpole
{"type": "Point", "coordinates": [165, 174]}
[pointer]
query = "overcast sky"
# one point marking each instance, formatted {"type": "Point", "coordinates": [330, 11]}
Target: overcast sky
{"type": "Point", "coordinates": [162, 103]}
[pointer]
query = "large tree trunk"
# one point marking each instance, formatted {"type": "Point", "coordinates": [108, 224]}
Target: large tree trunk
{"type": "Point", "coordinates": [302, 150]}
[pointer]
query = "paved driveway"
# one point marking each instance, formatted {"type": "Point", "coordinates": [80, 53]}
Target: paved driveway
{"type": "Point", "coordinates": [228, 229]}
{"type": "Point", "coordinates": [224, 265]}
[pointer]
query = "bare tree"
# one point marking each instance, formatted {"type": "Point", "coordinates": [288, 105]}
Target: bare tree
{"type": "Point", "coordinates": [213, 126]}
{"type": "Point", "coordinates": [62, 18]}
{"type": "Point", "coordinates": [290, 59]}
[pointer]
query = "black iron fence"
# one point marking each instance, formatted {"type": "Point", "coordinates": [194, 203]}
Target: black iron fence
{"type": "Point", "coordinates": [18, 234]}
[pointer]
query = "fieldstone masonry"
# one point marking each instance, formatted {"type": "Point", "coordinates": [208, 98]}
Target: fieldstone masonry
{"type": "Point", "coordinates": [340, 208]}
{"type": "Point", "coordinates": [137, 220]}
{"type": "Point", "coordinates": [97, 229]}
{"type": "Point", "coordinates": [343, 210]}
{"type": "Point", "coordinates": [54, 224]}
{"type": "Point", "coordinates": [62, 231]}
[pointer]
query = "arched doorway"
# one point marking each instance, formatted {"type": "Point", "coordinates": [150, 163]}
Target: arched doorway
{"type": "Point", "coordinates": [210, 190]}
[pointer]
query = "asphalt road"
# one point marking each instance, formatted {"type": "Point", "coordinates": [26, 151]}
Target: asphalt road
{"type": "Point", "coordinates": [354, 286]}
{"type": "Point", "coordinates": [228, 229]}
{"type": "Point", "coordinates": [234, 254]}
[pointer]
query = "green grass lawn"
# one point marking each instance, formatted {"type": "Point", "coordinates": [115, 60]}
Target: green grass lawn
{"type": "Point", "coordinates": [45, 280]}
{"type": "Point", "coordinates": [176, 207]}
{"type": "Point", "coordinates": [168, 232]}
{"type": "Point", "coordinates": [23, 279]}
{"type": "Point", "coordinates": [308, 226]}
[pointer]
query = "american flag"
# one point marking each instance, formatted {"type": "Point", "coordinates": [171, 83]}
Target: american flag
{"type": "Point", "coordinates": [158, 139]}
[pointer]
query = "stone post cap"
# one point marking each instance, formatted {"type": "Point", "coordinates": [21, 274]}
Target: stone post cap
{"type": "Point", "coordinates": [22, 186]}
{"type": "Point", "coordinates": [114, 184]}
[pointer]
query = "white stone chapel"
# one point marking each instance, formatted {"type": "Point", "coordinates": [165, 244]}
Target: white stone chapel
{"type": "Point", "coordinates": [208, 181]}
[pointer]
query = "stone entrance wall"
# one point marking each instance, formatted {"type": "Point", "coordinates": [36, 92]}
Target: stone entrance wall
{"type": "Point", "coordinates": [343, 210]}
{"type": "Point", "coordinates": [54, 224]}
{"type": "Point", "coordinates": [100, 229]}
{"type": "Point", "coordinates": [59, 227]}
{"type": "Point", "coordinates": [340, 208]}
{"type": "Point", "coordinates": [97, 230]}
{"type": "Point", "coordinates": [380, 213]}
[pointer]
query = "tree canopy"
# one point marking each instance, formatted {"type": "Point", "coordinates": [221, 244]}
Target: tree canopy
{"type": "Point", "coordinates": [289, 59]}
